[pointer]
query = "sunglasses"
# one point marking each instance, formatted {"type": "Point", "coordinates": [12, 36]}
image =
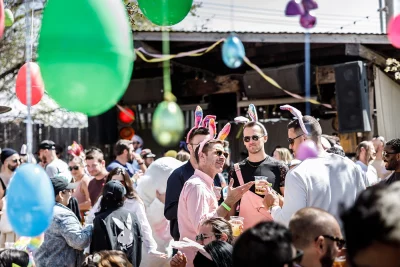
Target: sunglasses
{"type": "Point", "coordinates": [67, 191]}
{"type": "Point", "coordinates": [202, 237]}
{"type": "Point", "coordinates": [219, 153]}
{"type": "Point", "coordinates": [246, 139]}
{"type": "Point", "coordinates": [339, 241]}
{"type": "Point", "coordinates": [73, 168]}
{"type": "Point", "coordinates": [17, 160]}
{"type": "Point", "coordinates": [385, 153]}
{"type": "Point", "coordinates": [291, 140]}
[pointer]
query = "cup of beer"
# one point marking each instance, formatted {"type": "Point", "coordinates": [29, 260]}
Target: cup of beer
{"type": "Point", "coordinates": [340, 262]}
{"type": "Point", "coordinates": [236, 222]}
{"type": "Point", "coordinates": [261, 183]}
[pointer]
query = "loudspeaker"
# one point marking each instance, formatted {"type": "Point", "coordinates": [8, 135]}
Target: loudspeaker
{"type": "Point", "coordinates": [290, 78]}
{"type": "Point", "coordinates": [224, 106]}
{"type": "Point", "coordinates": [352, 97]}
{"type": "Point", "coordinates": [143, 91]}
{"type": "Point", "coordinates": [103, 129]}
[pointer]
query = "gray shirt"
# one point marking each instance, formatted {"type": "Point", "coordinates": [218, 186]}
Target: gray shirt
{"type": "Point", "coordinates": [58, 168]}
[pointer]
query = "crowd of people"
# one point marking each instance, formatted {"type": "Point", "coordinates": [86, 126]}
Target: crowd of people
{"type": "Point", "coordinates": [197, 208]}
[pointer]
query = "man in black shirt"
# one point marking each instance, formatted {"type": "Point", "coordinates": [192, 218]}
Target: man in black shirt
{"type": "Point", "coordinates": [391, 157]}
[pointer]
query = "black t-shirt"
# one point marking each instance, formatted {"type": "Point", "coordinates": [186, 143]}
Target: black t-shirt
{"type": "Point", "coordinates": [273, 169]}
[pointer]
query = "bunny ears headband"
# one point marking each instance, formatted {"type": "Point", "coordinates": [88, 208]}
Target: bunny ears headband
{"type": "Point", "coordinates": [252, 112]}
{"type": "Point", "coordinates": [223, 134]}
{"type": "Point", "coordinates": [199, 121]}
{"type": "Point", "coordinates": [297, 114]}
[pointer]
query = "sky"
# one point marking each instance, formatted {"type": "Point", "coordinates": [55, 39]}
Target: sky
{"type": "Point", "coordinates": [268, 16]}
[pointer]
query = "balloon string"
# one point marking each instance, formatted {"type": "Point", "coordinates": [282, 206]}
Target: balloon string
{"type": "Point", "coordinates": [126, 112]}
{"type": "Point", "coordinates": [199, 52]}
{"type": "Point", "coordinates": [28, 58]}
{"type": "Point", "coordinates": [307, 59]}
{"type": "Point", "coordinates": [166, 66]}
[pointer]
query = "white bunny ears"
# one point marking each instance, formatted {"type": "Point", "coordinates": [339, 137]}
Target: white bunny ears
{"type": "Point", "coordinates": [297, 114]}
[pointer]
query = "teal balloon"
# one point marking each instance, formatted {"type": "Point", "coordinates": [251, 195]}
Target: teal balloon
{"type": "Point", "coordinates": [86, 53]}
{"type": "Point", "coordinates": [30, 200]}
{"type": "Point", "coordinates": [233, 52]}
{"type": "Point", "coordinates": [168, 124]}
{"type": "Point", "coordinates": [165, 12]}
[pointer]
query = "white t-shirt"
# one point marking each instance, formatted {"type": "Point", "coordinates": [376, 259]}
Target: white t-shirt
{"type": "Point", "coordinates": [58, 168]}
{"type": "Point", "coordinates": [323, 182]}
{"type": "Point", "coordinates": [371, 175]}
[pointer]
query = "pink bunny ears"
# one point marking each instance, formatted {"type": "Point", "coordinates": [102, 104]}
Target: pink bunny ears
{"type": "Point", "coordinates": [199, 121]}
{"type": "Point", "coordinates": [297, 114]}
{"type": "Point", "coordinates": [223, 134]}
{"type": "Point", "coordinates": [252, 113]}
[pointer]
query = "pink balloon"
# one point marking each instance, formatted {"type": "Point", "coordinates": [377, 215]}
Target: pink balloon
{"type": "Point", "coordinates": [307, 149]}
{"type": "Point", "coordinates": [394, 31]}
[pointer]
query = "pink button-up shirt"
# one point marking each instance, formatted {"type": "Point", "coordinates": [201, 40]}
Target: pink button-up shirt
{"type": "Point", "coordinates": [197, 203]}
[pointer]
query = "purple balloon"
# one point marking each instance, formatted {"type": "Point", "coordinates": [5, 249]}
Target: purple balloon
{"type": "Point", "coordinates": [307, 149]}
{"type": "Point", "coordinates": [294, 8]}
{"type": "Point", "coordinates": [308, 21]}
{"type": "Point", "coordinates": [309, 4]}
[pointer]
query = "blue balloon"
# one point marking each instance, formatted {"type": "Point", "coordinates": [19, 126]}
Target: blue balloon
{"type": "Point", "coordinates": [233, 52]}
{"type": "Point", "coordinates": [30, 200]}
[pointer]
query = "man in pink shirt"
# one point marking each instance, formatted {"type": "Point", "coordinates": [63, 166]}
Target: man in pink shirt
{"type": "Point", "coordinates": [197, 201]}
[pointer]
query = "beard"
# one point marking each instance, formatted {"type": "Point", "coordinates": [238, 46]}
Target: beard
{"type": "Point", "coordinates": [12, 168]}
{"type": "Point", "coordinates": [329, 258]}
{"type": "Point", "coordinates": [254, 150]}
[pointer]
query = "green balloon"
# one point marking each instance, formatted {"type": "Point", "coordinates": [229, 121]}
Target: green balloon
{"type": "Point", "coordinates": [86, 53]}
{"type": "Point", "coordinates": [9, 17]}
{"type": "Point", "coordinates": [165, 12]}
{"type": "Point", "coordinates": [168, 124]}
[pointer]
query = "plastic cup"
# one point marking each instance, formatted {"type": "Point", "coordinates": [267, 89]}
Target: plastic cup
{"type": "Point", "coordinates": [261, 182]}
{"type": "Point", "coordinates": [236, 222]}
{"type": "Point", "coordinates": [340, 262]}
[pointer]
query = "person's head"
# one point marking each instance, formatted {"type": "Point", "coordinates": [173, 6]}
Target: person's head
{"type": "Point", "coordinates": [59, 151]}
{"type": "Point", "coordinates": [10, 160]}
{"type": "Point", "coordinates": [62, 189]}
{"type": "Point", "coordinates": [95, 162]}
{"type": "Point", "coordinates": [147, 156]}
{"type": "Point", "coordinates": [372, 227]}
{"type": "Point", "coordinates": [107, 258]}
{"type": "Point", "coordinates": [183, 156]}
{"type": "Point", "coordinates": [113, 196]}
{"type": "Point", "coordinates": [220, 252]}
{"type": "Point", "coordinates": [266, 244]}
{"type": "Point", "coordinates": [212, 157]}
{"type": "Point", "coordinates": [336, 150]}
{"type": "Point", "coordinates": [215, 229]}
{"type": "Point", "coordinates": [123, 149]}
{"type": "Point", "coordinates": [365, 152]}
{"type": "Point", "coordinates": [12, 257]}
{"type": "Point", "coordinates": [329, 141]}
{"type": "Point", "coordinates": [121, 175]}
{"type": "Point", "coordinates": [296, 136]}
{"type": "Point", "coordinates": [379, 143]}
{"type": "Point", "coordinates": [76, 167]}
{"type": "Point", "coordinates": [283, 154]}
{"type": "Point", "coordinates": [171, 153]}
{"type": "Point", "coordinates": [254, 137]}
{"type": "Point", "coordinates": [137, 142]}
{"type": "Point", "coordinates": [195, 138]}
{"type": "Point", "coordinates": [318, 235]}
{"type": "Point", "coordinates": [47, 151]}
{"type": "Point", "coordinates": [391, 155]}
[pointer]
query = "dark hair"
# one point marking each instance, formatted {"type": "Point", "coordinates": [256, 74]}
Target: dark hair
{"type": "Point", "coordinates": [333, 140]}
{"type": "Point", "coordinates": [395, 144]}
{"type": "Point", "coordinates": [198, 131]}
{"type": "Point", "coordinates": [336, 150]}
{"type": "Point", "coordinates": [220, 252]}
{"type": "Point", "coordinates": [265, 241]}
{"type": "Point", "coordinates": [94, 153]}
{"type": "Point", "coordinates": [110, 202]}
{"type": "Point", "coordinates": [374, 217]}
{"type": "Point", "coordinates": [10, 256]}
{"type": "Point", "coordinates": [312, 125]}
{"type": "Point", "coordinates": [254, 123]}
{"type": "Point", "coordinates": [206, 147]}
{"type": "Point", "coordinates": [107, 258]}
{"type": "Point", "coordinates": [220, 226]}
{"type": "Point", "coordinates": [121, 146]}
{"type": "Point", "coordinates": [130, 191]}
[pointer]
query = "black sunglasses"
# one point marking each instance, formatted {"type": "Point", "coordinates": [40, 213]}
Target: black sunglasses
{"type": "Point", "coordinates": [385, 153]}
{"type": "Point", "coordinates": [202, 237]}
{"type": "Point", "coordinates": [73, 168]}
{"type": "Point", "coordinates": [17, 160]}
{"type": "Point", "coordinates": [291, 140]}
{"type": "Point", "coordinates": [246, 139]}
{"type": "Point", "coordinates": [295, 261]}
{"type": "Point", "coordinates": [339, 241]}
{"type": "Point", "coordinates": [219, 153]}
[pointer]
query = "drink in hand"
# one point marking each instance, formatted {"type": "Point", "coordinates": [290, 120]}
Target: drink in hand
{"type": "Point", "coordinates": [261, 183]}
{"type": "Point", "coordinates": [237, 223]}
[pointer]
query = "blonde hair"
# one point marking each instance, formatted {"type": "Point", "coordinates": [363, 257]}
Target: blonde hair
{"type": "Point", "coordinates": [284, 155]}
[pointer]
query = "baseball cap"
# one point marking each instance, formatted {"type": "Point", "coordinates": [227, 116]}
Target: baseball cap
{"type": "Point", "coordinates": [114, 188]}
{"type": "Point", "coordinates": [47, 144]}
{"type": "Point", "coordinates": [6, 153]}
{"type": "Point", "coordinates": [60, 183]}
{"type": "Point", "coordinates": [146, 153]}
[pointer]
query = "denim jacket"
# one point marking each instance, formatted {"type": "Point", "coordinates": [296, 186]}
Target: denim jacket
{"type": "Point", "coordinates": [64, 240]}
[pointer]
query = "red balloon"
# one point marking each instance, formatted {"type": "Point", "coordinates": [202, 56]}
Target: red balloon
{"type": "Point", "coordinates": [127, 116]}
{"type": "Point", "coordinates": [394, 31]}
{"type": "Point", "coordinates": [2, 19]}
{"type": "Point", "coordinates": [36, 84]}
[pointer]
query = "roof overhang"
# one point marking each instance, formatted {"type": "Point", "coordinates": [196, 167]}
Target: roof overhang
{"type": "Point", "coordinates": [334, 38]}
